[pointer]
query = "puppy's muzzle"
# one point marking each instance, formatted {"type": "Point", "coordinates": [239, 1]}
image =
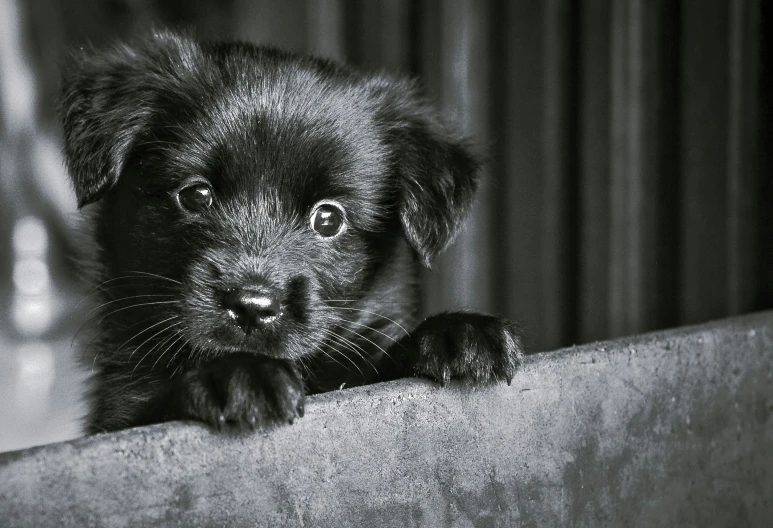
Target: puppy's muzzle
{"type": "Point", "coordinates": [252, 307]}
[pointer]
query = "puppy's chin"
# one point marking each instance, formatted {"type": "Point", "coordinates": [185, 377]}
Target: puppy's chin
{"type": "Point", "coordinates": [215, 336]}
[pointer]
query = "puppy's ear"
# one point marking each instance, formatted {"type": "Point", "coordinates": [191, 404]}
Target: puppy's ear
{"type": "Point", "coordinates": [108, 99]}
{"type": "Point", "coordinates": [437, 170]}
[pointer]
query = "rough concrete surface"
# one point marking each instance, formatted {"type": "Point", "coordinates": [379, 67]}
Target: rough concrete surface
{"type": "Point", "coordinates": [666, 429]}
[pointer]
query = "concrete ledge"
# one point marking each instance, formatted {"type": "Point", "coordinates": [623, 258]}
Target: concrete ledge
{"type": "Point", "coordinates": [671, 428]}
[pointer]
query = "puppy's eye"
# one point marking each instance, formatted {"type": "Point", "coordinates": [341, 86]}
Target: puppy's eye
{"type": "Point", "coordinates": [195, 198]}
{"type": "Point", "coordinates": [327, 219]}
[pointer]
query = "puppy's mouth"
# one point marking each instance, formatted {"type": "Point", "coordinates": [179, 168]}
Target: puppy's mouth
{"type": "Point", "coordinates": [253, 316]}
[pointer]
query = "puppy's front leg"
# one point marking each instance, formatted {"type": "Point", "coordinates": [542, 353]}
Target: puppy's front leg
{"type": "Point", "coordinates": [238, 391]}
{"type": "Point", "coordinates": [469, 346]}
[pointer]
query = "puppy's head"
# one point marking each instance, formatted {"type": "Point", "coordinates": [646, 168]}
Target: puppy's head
{"type": "Point", "coordinates": [263, 187]}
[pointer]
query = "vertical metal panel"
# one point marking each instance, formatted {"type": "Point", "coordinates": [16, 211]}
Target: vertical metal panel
{"type": "Point", "coordinates": [559, 160]}
{"type": "Point", "coordinates": [396, 36]}
{"type": "Point", "coordinates": [641, 165]}
{"type": "Point", "coordinates": [594, 165]}
{"type": "Point", "coordinates": [267, 22]}
{"type": "Point", "coordinates": [704, 141]}
{"type": "Point", "coordinates": [520, 196]}
{"type": "Point", "coordinates": [428, 40]}
{"type": "Point", "coordinates": [764, 200]}
{"type": "Point", "coordinates": [625, 172]}
{"type": "Point", "coordinates": [539, 191]}
{"type": "Point", "coordinates": [387, 38]}
{"type": "Point", "coordinates": [325, 22]}
{"type": "Point", "coordinates": [743, 168]}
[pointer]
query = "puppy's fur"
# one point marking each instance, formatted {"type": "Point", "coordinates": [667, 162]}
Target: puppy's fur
{"type": "Point", "coordinates": [231, 309]}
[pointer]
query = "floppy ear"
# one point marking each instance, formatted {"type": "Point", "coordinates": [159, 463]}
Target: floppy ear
{"type": "Point", "coordinates": [108, 99]}
{"type": "Point", "coordinates": [437, 170]}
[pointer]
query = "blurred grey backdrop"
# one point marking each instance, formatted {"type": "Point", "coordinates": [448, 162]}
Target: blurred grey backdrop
{"type": "Point", "coordinates": [628, 182]}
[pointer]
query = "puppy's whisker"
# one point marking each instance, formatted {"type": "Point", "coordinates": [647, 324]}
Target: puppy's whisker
{"type": "Point", "coordinates": [160, 343]}
{"type": "Point", "coordinates": [193, 353]}
{"type": "Point", "coordinates": [93, 339]}
{"type": "Point", "coordinates": [342, 322]}
{"type": "Point", "coordinates": [373, 313]}
{"type": "Point", "coordinates": [81, 327]}
{"type": "Point", "coordinates": [354, 347]}
{"type": "Point", "coordinates": [360, 300]}
{"type": "Point", "coordinates": [155, 275]}
{"type": "Point", "coordinates": [156, 303]}
{"type": "Point", "coordinates": [358, 334]}
{"type": "Point", "coordinates": [138, 281]}
{"type": "Point", "coordinates": [182, 346]}
{"type": "Point", "coordinates": [102, 332]}
{"type": "Point", "coordinates": [100, 287]}
{"type": "Point", "coordinates": [372, 329]}
{"type": "Point", "coordinates": [115, 312]}
{"type": "Point", "coordinates": [348, 343]}
{"type": "Point", "coordinates": [326, 353]}
{"type": "Point", "coordinates": [332, 334]}
{"type": "Point", "coordinates": [174, 356]}
{"type": "Point", "coordinates": [302, 364]}
{"type": "Point", "coordinates": [126, 299]}
{"type": "Point", "coordinates": [151, 337]}
{"type": "Point", "coordinates": [106, 291]}
{"type": "Point", "coordinates": [149, 351]}
{"type": "Point", "coordinates": [145, 330]}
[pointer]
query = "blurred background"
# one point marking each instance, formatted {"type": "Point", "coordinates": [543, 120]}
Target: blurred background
{"type": "Point", "coordinates": [629, 181]}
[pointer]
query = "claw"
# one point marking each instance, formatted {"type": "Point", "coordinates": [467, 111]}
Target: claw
{"type": "Point", "coordinates": [220, 422]}
{"type": "Point", "coordinates": [509, 380]}
{"type": "Point", "coordinates": [299, 409]}
{"type": "Point", "coordinates": [445, 376]}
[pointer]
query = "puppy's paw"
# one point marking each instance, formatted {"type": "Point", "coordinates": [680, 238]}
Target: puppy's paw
{"type": "Point", "coordinates": [239, 392]}
{"type": "Point", "coordinates": [472, 347]}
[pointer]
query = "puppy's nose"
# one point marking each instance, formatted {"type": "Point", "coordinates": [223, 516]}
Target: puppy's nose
{"type": "Point", "coordinates": [251, 307]}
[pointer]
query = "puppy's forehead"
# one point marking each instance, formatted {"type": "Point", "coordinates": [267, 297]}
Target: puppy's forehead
{"type": "Point", "coordinates": [279, 119]}
{"type": "Point", "coordinates": [290, 94]}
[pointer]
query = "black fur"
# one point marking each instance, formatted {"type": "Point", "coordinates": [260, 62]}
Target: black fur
{"type": "Point", "coordinates": [271, 134]}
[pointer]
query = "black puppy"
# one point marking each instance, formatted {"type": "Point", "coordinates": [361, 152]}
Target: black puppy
{"type": "Point", "coordinates": [259, 217]}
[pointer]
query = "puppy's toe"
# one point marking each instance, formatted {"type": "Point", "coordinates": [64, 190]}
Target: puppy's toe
{"type": "Point", "coordinates": [287, 396]}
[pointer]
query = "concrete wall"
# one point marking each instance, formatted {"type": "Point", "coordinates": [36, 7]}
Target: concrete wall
{"type": "Point", "coordinates": [665, 429]}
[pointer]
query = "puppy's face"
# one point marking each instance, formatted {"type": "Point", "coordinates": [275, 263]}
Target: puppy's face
{"type": "Point", "coordinates": [269, 207]}
{"type": "Point", "coordinates": [268, 190]}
